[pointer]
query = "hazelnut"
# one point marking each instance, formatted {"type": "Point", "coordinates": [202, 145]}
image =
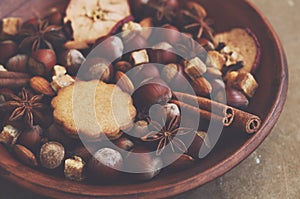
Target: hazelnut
{"type": "Point", "coordinates": [25, 155]}
{"type": "Point", "coordinates": [108, 47]}
{"type": "Point", "coordinates": [31, 138]}
{"type": "Point", "coordinates": [104, 166]}
{"type": "Point", "coordinates": [72, 60]}
{"type": "Point", "coordinates": [52, 155]}
{"type": "Point", "coordinates": [236, 98]}
{"type": "Point", "coordinates": [124, 82]}
{"type": "Point", "coordinates": [162, 53]}
{"type": "Point", "coordinates": [42, 62]}
{"type": "Point", "coordinates": [124, 144]}
{"type": "Point", "coordinates": [7, 50]}
{"type": "Point", "coordinates": [74, 169]}
{"type": "Point", "coordinates": [170, 35]}
{"type": "Point", "coordinates": [144, 72]}
{"type": "Point", "coordinates": [154, 91]}
{"type": "Point", "coordinates": [123, 66]}
{"type": "Point", "coordinates": [97, 68]}
{"type": "Point", "coordinates": [173, 74]}
{"type": "Point", "coordinates": [18, 63]}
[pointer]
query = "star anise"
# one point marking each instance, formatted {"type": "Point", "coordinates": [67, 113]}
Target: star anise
{"type": "Point", "coordinates": [24, 107]}
{"type": "Point", "coordinates": [162, 10]}
{"type": "Point", "coordinates": [39, 35]}
{"type": "Point", "coordinates": [167, 135]}
{"type": "Point", "coordinates": [199, 22]}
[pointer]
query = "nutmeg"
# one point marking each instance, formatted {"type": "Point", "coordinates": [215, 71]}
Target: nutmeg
{"type": "Point", "coordinates": [42, 62]}
{"type": "Point", "coordinates": [154, 91]}
{"type": "Point", "coordinates": [52, 155]}
{"type": "Point", "coordinates": [18, 63]}
{"type": "Point", "coordinates": [236, 98]}
{"type": "Point", "coordinates": [8, 49]}
{"type": "Point", "coordinates": [105, 165]}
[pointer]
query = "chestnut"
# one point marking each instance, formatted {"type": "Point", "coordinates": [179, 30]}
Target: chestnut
{"type": "Point", "coordinates": [134, 41]}
{"type": "Point", "coordinates": [141, 165]}
{"type": "Point", "coordinates": [42, 62]}
{"type": "Point", "coordinates": [8, 49]}
{"type": "Point", "coordinates": [143, 72]}
{"type": "Point", "coordinates": [18, 63]}
{"type": "Point", "coordinates": [97, 68]}
{"type": "Point", "coordinates": [162, 53]}
{"type": "Point", "coordinates": [31, 138]}
{"type": "Point", "coordinates": [123, 66]}
{"type": "Point", "coordinates": [105, 165]}
{"type": "Point", "coordinates": [72, 60]}
{"type": "Point", "coordinates": [174, 76]}
{"type": "Point", "coordinates": [170, 34]}
{"type": "Point", "coordinates": [108, 47]}
{"type": "Point", "coordinates": [154, 91]}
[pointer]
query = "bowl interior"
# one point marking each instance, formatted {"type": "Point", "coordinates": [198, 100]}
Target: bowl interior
{"type": "Point", "coordinates": [233, 145]}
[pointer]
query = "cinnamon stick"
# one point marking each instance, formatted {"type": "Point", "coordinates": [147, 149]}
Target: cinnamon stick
{"type": "Point", "coordinates": [13, 83]}
{"type": "Point", "coordinates": [206, 104]}
{"type": "Point", "coordinates": [246, 122]}
{"type": "Point", "coordinates": [226, 121]}
{"type": "Point", "coordinates": [16, 75]}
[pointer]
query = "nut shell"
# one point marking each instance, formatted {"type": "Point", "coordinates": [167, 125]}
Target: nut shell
{"type": "Point", "coordinates": [52, 155]}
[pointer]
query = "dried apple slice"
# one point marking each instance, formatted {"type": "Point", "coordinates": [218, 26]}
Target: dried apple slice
{"type": "Point", "coordinates": [245, 44]}
{"type": "Point", "coordinates": [92, 19]}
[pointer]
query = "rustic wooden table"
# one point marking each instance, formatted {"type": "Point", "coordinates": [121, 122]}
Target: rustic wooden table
{"type": "Point", "coordinates": [272, 171]}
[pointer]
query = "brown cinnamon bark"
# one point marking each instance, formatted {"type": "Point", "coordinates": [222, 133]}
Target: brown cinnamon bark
{"type": "Point", "coordinates": [13, 83]}
{"type": "Point", "coordinates": [246, 122]}
{"type": "Point", "coordinates": [9, 74]}
{"type": "Point", "coordinates": [206, 104]}
{"type": "Point", "coordinates": [226, 121]}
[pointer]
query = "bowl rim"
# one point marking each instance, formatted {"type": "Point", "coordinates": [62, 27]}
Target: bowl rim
{"type": "Point", "coordinates": [201, 178]}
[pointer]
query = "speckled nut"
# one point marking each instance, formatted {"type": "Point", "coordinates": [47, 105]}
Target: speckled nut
{"type": "Point", "coordinates": [52, 155]}
{"type": "Point", "coordinates": [9, 135]}
{"type": "Point", "coordinates": [74, 168]}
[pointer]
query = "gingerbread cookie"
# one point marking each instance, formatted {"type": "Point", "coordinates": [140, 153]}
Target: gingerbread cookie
{"type": "Point", "coordinates": [93, 109]}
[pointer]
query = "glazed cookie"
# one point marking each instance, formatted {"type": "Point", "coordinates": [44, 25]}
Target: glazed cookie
{"type": "Point", "coordinates": [93, 109]}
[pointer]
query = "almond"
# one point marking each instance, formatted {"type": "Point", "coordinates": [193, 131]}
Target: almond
{"type": "Point", "coordinates": [124, 82]}
{"type": "Point", "coordinates": [41, 85]}
{"type": "Point", "coordinates": [25, 155]}
{"type": "Point", "coordinates": [201, 86]}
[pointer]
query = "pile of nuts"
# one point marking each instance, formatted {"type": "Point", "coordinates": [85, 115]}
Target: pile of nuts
{"type": "Point", "coordinates": [38, 60]}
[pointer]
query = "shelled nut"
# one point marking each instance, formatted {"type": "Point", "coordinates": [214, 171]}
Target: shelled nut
{"type": "Point", "coordinates": [74, 169]}
{"type": "Point", "coordinates": [9, 135]}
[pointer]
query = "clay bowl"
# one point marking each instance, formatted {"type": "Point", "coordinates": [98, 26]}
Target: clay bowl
{"type": "Point", "coordinates": [232, 148]}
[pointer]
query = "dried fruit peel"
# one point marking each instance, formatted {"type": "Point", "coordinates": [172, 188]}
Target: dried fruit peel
{"type": "Point", "coordinates": [243, 42]}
